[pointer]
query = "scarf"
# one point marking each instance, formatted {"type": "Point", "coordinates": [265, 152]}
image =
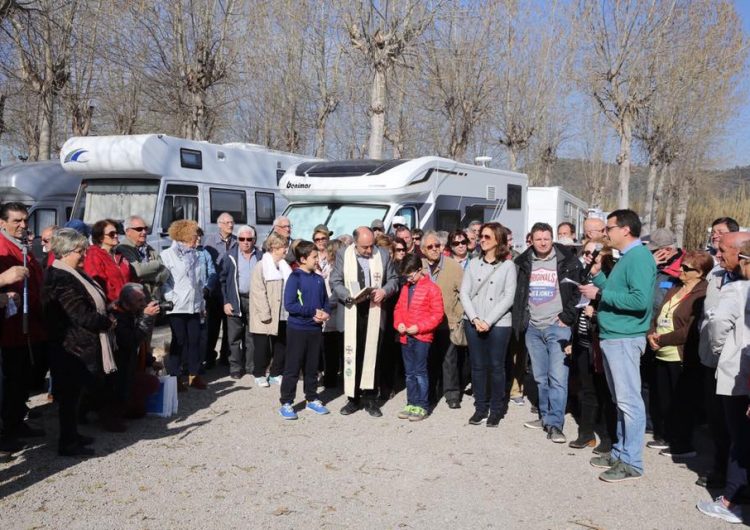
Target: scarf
{"type": "Point", "coordinates": [351, 282]}
{"type": "Point", "coordinates": [100, 301]}
{"type": "Point", "coordinates": [189, 257]}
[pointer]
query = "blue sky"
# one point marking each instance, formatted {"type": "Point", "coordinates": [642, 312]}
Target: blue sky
{"type": "Point", "coordinates": [737, 151]}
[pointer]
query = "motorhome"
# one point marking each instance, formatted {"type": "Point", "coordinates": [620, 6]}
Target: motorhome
{"type": "Point", "coordinates": [45, 187]}
{"type": "Point", "coordinates": [163, 179]}
{"type": "Point", "coordinates": [553, 205]}
{"type": "Point", "coordinates": [428, 192]}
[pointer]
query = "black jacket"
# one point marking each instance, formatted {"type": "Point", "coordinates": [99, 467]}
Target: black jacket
{"type": "Point", "coordinates": [568, 266]}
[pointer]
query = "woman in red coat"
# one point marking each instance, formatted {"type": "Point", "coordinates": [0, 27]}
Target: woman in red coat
{"type": "Point", "coordinates": [111, 271]}
{"type": "Point", "coordinates": [418, 312]}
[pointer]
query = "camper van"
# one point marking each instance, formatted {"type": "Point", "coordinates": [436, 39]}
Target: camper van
{"type": "Point", "coordinates": [554, 205]}
{"type": "Point", "coordinates": [45, 187]}
{"type": "Point", "coordinates": [163, 179]}
{"type": "Point", "coordinates": [428, 192]}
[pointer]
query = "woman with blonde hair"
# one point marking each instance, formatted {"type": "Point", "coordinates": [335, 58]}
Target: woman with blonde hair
{"type": "Point", "coordinates": [267, 314]}
{"type": "Point", "coordinates": [184, 288]}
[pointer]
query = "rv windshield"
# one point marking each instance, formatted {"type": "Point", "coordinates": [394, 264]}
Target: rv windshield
{"type": "Point", "coordinates": [116, 199]}
{"type": "Point", "coordinates": [340, 218]}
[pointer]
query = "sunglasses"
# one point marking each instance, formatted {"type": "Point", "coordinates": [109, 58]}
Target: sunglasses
{"type": "Point", "coordinates": [138, 228]}
{"type": "Point", "coordinates": [245, 239]}
{"type": "Point", "coordinates": [432, 247]}
{"type": "Point", "coordinates": [587, 252]}
{"type": "Point", "coordinates": [688, 268]}
{"type": "Point", "coordinates": [45, 240]}
{"type": "Point", "coordinates": [458, 243]}
{"type": "Point", "coordinates": [400, 249]}
{"type": "Point", "coordinates": [486, 236]}
{"type": "Point", "coordinates": [319, 239]}
{"type": "Point", "coordinates": [113, 233]}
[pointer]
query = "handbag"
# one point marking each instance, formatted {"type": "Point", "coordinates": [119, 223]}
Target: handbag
{"type": "Point", "coordinates": [458, 334]}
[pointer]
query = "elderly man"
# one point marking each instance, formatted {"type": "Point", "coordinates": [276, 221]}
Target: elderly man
{"type": "Point", "coordinates": [358, 267]}
{"type": "Point", "coordinates": [217, 245]}
{"type": "Point", "coordinates": [142, 257]}
{"type": "Point", "coordinates": [378, 227]}
{"type": "Point", "coordinates": [23, 344]}
{"type": "Point", "coordinates": [236, 270]}
{"type": "Point", "coordinates": [594, 229]}
{"type": "Point", "coordinates": [45, 237]}
{"type": "Point", "coordinates": [543, 312]}
{"type": "Point", "coordinates": [726, 328]}
{"type": "Point", "coordinates": [566, 231]}
{"type": "Point", "coordinates": [444, 363]}
{"type": "Point", "coordinates": [624, 315]}
{"type": "Point", "coordinates": [724, 274]}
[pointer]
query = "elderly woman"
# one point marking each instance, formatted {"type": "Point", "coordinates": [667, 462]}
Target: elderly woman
{"type": "Point", "coordinates": [459, 247]}
{"type": "Point", "coordinates": [487, 291]}
{"type": "Point", "coordinates": [267, 313]}
{"type": "Point", "coordinates": [674, 339]}
{"type": "Point", "coordinates": [184, 288]}
{"type": "Point", "coordinates": [111, 271]}
{"type": "Point", "coordinates": [79, 338]}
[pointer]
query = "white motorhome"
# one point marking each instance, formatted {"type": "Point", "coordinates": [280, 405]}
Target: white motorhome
{"type": "Point", "coordinates": [429, 192]}
{"type": "Point", "coordinates": [45, 187]}
{"type": "Point", "coordinates": [163, 179]}
{"type": "Point", "coordinates": [554, 205]}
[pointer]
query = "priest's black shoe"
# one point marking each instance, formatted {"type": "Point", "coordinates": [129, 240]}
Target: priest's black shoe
{"type": "Point", "coordinates": [454, 404]}
{"type": "Point", "coordinates": [350, 408]}
{"type": "Point", "coordinates": [373, 410]}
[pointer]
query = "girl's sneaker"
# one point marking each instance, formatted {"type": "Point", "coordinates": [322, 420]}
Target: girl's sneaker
{"type": "Point", "coordinates": [261, 382]}
{"type": "Point", "coordinates": [406, 413]}
{"type": "Point", "coordinates": [287, 412]}
{"type": "Point", "coordinates": [418, 414]}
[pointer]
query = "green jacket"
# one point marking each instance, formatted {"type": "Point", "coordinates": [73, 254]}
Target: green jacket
{"type": "Point", "coordinates": [627, 295]}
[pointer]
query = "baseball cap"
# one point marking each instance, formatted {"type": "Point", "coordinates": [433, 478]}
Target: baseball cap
{"type": "Point", "coordinates": [377, 223]}
{"type": "Point", "coordinates": [659, 238]}
{"type": "Point", "coordinates": [323, 229]}
{"type": "Point", "coordinates": [398, 220]}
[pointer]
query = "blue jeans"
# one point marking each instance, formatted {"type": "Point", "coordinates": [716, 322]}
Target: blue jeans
{"type": "Point", "coordinates": [622, 366]}
{"type": "Point", "coordinates": [550, 371]}
{"type": "Point", "coordinates": [415, 354]}
{"type": "Point", "coordinates": [487, 356]}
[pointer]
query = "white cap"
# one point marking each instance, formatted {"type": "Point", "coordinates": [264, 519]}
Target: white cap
{"type": "Point", "coordinates": [398, 220]}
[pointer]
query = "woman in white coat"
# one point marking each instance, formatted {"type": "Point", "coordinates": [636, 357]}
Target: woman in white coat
{"type": "Point", "coordinates": [184, 288]}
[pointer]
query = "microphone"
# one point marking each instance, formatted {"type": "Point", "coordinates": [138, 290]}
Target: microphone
{"type": "Point", "coordinates": [597, 248]}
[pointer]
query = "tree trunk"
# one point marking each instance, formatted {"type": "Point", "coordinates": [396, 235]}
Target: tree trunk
{"type": "Point", "coordinates": [46, 118]}
{"type": "Point", "coordinates": [3, 97]}
{"type": "Point", "coordinates": [670, 200]}
{"type": "Point", "coordinates": [683, 199]}
{"type": "Point", "coordinates": [658, 196]}
{"type": "Point", "coordinates": [377, 115]}
{"type": "Point", "coordinates": [623, 159]}
{"type": "Point", "coordinates": [648, 209]}
{"type": "Point", "coordinates": [512, 158]}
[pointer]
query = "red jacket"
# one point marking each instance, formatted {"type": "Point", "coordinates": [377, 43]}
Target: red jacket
{"type": "Point", "coordinates": [110, 272]}
{"type": "Point", "coordinates": [425, 309]}
{"type": "Point", "coordinates": [12, 328]}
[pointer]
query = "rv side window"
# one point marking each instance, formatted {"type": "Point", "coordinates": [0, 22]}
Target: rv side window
{"type": "Point", "coordinates": [265, 208]}
{"type": "Point", "coordinates": [233, 202]}
{"type": "Point", "coordinates": [515, 196]}
{"type": "Point", "coordinates": [448, 220]}
{"type": "Point", "coordinates": [191, 158]}
{"type": "Point", "coordinates": [180, 202]}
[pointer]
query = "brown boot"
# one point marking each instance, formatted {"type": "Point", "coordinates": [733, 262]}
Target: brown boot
{"type": "Point", "coordinates": [197, 381]}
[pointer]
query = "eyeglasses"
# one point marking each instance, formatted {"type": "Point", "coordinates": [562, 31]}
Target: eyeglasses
{"type": "Point", "coordinates": [587, 252]}
{"type": "Point", "coordinates": [245, 239]}
{"type": "Point", "coordinates": [400, 249]}
{"type": "Point", "coordinates": [610, 227]}
{"type": "Point", "coordinates": [486, 236]}
{"type": "Point", "coordinates": [688, 268]}
{"type": "Point", "coordinates": [284, 226]}
{"type": "Point", "coordinates": [45, 240]}
{"type": "Point", "coordinates": [113, 233]}
{"type": "Point", "coordinates": [432, 247]}
{"type": "Point", "coordinates": [138, 228]}
{"type": "Point", "coordinates": [458, 243]}
{"type": "Point", "coordinates": [417, 238]}
{"type": "Point", "coordinates": [319, 239]}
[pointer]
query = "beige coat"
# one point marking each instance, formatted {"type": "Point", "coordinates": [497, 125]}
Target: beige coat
{"type": "Point", "coordinates": [449, 278]}
{"type": "Point", "coordinates": [265, 303]}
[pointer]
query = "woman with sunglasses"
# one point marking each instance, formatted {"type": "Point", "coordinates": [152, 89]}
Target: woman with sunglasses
{"type": "Point", "coordinates": [109, 269]}
{"type": "Point", "coordinates": [487, 292]}
{"type": "Point", "coordinates": [674, 339]}
{"type": "Point", "coordinates": [459, 247]}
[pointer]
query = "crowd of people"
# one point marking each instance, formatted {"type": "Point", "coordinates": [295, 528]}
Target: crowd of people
{"type": "Point", "coordinates": [632, 335]}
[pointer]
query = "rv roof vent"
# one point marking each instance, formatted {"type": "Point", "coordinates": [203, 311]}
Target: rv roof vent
{"type": "Point", "coordinates": [221, 156]}
{"type": "Point", "coordinates": [491, 193]}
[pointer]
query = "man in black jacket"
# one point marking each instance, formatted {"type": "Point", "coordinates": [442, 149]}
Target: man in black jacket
{"type": "Point", "coordinates": [545, 308]}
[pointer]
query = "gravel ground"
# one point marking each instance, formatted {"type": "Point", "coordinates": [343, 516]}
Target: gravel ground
{"type": "Point", "coordinates": [229, 461]}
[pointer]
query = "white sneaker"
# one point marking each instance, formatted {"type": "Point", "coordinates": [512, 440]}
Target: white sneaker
{"type": "Point", "coordinates": [262, 382]}
{"type": "Point", "coordinates": [717, 509]}
{"type": "Point", "coordinates": [275, 380]}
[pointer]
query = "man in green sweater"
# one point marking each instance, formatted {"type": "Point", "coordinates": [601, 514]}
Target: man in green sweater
{"type": "Point", "coordinates": [624, 313]}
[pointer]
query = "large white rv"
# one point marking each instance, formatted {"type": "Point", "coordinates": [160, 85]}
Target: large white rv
{"type": "Point", "coordinates": [45, 187]}
{"type": "Point", "coordinates": [554, 205]}
{"type": "Point", "coordinates": [429, 192]}
{"type": "Point", "coordinates": [163, 179]}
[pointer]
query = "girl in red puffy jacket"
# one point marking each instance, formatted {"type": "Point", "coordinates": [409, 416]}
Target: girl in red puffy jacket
{"type": "Point", "coordinates": [418, 312]}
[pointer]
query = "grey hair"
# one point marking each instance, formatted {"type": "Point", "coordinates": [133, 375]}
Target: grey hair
{"type": "Point", "coordinates": [127, 223]}
{"type": "Point", "coordinates": [246, 228]}
{"type": "Point", "coordinates": [475, 222]}
{"type": "Point", "coordinates": [224, 215]}
{"type": "Point", "coordinates": [279, 219]}
{"type": "Point", "coordinates": [430, 234]}
{"type": "Point", "coordinates": [67, 240]}
{"type": "Point", "coordinates": [346, 239]}
{"type": "Point", "coordinates": [274, 240]}
{"type": "Point", "coordinates": [128, 292]}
